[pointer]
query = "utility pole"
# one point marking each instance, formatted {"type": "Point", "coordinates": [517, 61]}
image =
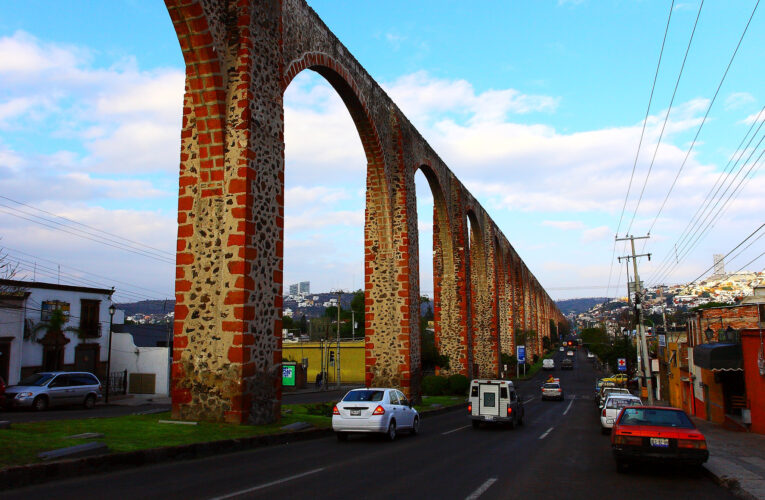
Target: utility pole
{"type": "Point", "coordinates": [337, 347]}
{"type": "Point", "coordinates": [638, 307]}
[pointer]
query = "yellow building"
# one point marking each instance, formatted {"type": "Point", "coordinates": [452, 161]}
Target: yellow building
{"type": "Point", "coordinates": [351, 359]}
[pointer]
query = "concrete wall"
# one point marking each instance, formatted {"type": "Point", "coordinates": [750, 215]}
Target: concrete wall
{"type": "Point", "coordinates": [755, 383]}
{"type": "Point", "coordinates": [12, 330]}
{"type": "Point", "coordinates": [126, 356]}
{"type": "Point", "coordinates": [351, 360]}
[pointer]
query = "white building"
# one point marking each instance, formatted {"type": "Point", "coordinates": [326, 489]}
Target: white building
{"type": "Point", "coordinates": [27, 346]}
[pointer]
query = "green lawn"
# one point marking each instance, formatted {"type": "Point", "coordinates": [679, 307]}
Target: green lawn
{"type": "Point", "coordinates": [21, 443]}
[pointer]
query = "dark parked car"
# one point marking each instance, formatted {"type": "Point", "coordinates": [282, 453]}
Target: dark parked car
{"type": "Point", "coordinates": [658, 435]}
{"type": "Point", "coordinates": [2, 391]}
{"type": "Point", "coordinates": [41, 390]}
{"type": "Point", "coordinates": [566, 364]}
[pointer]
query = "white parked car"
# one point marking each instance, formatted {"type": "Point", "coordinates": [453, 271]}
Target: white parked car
{"type": "Point", "coordinates": [380, 410]}
{"type": "Point", "coordinates": [562, 348]}
{"type": "Point", "coordinates": [613, 406]}
{"type": "Point", "coordinates": [590, 355]}
{"type": "Point", "coordinates": [570, 353]}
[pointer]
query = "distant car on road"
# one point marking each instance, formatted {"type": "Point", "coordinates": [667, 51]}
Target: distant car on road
{"type": "Point", "coordinates": [379, 410]}
{"type": "Point", "coordinates": [46, 389]}
{"type": "Point", "coordinates": [552, 390]}
{"type": "Point", "coordinates": [606, 391]}
{"type": "Point", "coordinates": [658, 435]}
{"type": "Point", "coordinates": [562, 348]}
{"type": "Point", "coordinates": [566, 364]}
{"type": "Point", "coordinates": [569, 353]}
{"type": "Point", "coordinates": [494, 401]}
{"type": "Point", "coordinates": [614, 404]}
{"type": "Point", "coordinates": [548, 364]}
{"type": "Point", "coordinates": [590, 355]}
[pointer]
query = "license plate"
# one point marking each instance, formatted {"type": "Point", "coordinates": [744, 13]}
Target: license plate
{"type": "Point", "coordinates": [355, 413]}
{"type": "Point", "coordinates": [660, 442]}
{"type": "Point", "coordinates": [609, 420]}
{"type": "Point", "coordinates": [489, 417]}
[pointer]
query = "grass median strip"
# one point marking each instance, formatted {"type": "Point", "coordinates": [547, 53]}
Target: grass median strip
{"type": "Point", "coordinates": [22, 443]}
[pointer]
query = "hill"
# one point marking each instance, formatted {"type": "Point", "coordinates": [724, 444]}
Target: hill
{"type": "Point", "coordinates": [147, 307]}
{"type": "Point", "coordinates": [578, 306]}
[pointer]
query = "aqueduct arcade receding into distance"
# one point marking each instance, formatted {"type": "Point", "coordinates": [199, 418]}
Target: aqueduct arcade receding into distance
{"type": "Point", "coordinates": [240, 57]}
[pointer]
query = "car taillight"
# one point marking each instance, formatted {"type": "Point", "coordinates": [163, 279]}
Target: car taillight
{"type": "Point", "coordinates": [698, 444]}
{"type": "Point", "coordinates": [470, 407]}
{"type": "Point", "coordinates": [509, 411]}
{"type": "Point", "coordinates": [604, 413]}
{"type": "Point", "coordinates": [379, 410]}
{"type": "Point", "coordinates": [628, 440]}
{"type": "Point", "coordinates": [335, 411]}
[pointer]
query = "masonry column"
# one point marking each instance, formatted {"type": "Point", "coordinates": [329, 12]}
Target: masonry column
{"type": "Point", "coordinates": [227, 343]}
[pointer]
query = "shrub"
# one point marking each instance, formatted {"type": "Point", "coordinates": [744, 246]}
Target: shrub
{"type": "Point", "coordinates": [458, 384]}
{"type": "Point", "coordinates": [435, 385]}
{"type": "Point", "coordinates": [536, 358]}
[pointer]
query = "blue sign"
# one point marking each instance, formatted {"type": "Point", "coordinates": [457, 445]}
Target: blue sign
{"type": "Point", "coordinates": [621, 363]}
{"type": "Point", "coordinates": [521, 354]}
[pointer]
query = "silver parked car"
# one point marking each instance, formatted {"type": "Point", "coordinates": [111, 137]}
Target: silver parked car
{"type": "Point", "coordinates": [380, 410]}
{"type": "Point", "coordinates": [45, 389]}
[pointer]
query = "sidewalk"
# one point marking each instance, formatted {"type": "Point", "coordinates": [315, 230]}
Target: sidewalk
{"type": "Point", "coordinates": [138, 399]}
{"type": "Point", "coordinates": [736, 459]}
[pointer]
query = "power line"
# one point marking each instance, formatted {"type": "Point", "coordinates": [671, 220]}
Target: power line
{"type": "Point", "coordinates": [736, 191]}
{"type": "Point", "coordinates": [742, 267]}
{"type": "Point", "coordinates": [692, 224]}
{"type": "Point", "coordinates": [703, 121]}
{"type": "Point", "coordinates": [666, 118]}
{"type": "Point", "coordinates": [733, 250]}
{"type": "Point", "coordinates": [640, 142]}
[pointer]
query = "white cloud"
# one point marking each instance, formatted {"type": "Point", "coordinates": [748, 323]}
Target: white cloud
{"type": "Point", "coordinates": [564, 224]}
{"type": "Point", "coordinates": [600, 233]}
{"type": "Point", "coordinates": [738, 100]}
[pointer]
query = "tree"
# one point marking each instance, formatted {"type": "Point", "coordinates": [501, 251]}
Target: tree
{"type": "Point", "coordinates": [287, 323]}
{"type": "Point", "coordinates": [54, 324]}
{"type": "Point", "coordinates": [303, 325]}
{"type": "Point", "coordinates": [8, 271]}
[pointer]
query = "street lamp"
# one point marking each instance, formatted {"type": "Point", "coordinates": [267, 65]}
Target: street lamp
{"type": "Point", "coordinates": [112, 310]}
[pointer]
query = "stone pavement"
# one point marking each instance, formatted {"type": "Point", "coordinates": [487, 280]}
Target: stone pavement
{"type": "Point", "coordinates": [736, 459]}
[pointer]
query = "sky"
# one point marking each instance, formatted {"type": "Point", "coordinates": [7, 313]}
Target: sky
{"type": "Point", "coordinates": [537, 107]}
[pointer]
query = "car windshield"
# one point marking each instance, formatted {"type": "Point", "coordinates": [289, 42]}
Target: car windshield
{"type": "Point", "coordinates": [38, 379]}
{"type": "Point", "coordinates": [552, 386]}
{"type": "Point", "coordinates": [364, 396]}
{"type": "Point", "coordinates": [622, 402]}
{"type": "Point", "coordinates": [655, 417]}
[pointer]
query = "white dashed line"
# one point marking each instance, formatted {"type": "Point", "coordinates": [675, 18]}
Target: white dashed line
{"type": "Point", "coordinates": [481, 489]}
{"type": "Point", "coordinates": [455, 430]}
{"type": "Point", "coordinates": [548, 431]}
{"type": "Point", "coordinates": [267, 485]}
{"type": "Point", "coordinates": [569, 407]}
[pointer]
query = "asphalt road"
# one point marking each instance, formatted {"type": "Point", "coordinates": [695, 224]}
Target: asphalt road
{"type": "Point", "coordinates": [558, 453]}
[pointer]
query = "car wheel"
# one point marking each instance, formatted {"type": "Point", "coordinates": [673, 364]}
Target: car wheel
{"type": "Point", "coordinates": [90, 402]}
{"type": "Point", "coordinates": [341, 436]}
{"type": "Point", "coordinates": [415, 426]}
{"type": "Point", "coordinates": [40, 403]}
{"type": "Point", "coordinates": [476, 424]}
{"type": "Point", "coordinates": [391, 434]}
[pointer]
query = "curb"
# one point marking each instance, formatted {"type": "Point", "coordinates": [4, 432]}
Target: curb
{"type": "Point", "coordinates": [25, 475]}
{"type": "Point", "coordinates": [729, 483]}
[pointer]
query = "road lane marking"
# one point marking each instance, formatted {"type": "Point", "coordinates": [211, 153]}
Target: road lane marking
{"type": "Point", "coordinates": [481, 489]}
{"type": "Point", "coordinates": [548, 431]}
{"type": "Point", "coordinates": [267, 485]}
{"type": "Point", "coordinates": [455, 430]}
{"type": "Point", "coordinates": [569, 406]}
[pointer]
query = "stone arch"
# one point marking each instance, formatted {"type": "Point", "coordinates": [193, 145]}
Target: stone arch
{"type": "Point", "coordinates": [446, 314]}
{"type": "Point", "coordinates": [484, 358]}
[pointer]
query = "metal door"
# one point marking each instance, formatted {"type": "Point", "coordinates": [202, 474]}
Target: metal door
{"type": "Point", "coordinates": [488, 399]}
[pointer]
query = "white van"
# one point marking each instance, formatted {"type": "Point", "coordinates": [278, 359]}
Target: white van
{"type": "Point", "coordinates": [548, 364]}
{"type": "Point", "coordinates": [494, 401]}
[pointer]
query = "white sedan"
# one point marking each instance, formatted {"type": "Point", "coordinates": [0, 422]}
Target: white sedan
{"type": "Point", "coordinates": [374, 410]}
{"type": "Point", "coordinates": [613, 406]}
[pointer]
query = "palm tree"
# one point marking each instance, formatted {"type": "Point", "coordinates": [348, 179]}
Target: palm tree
{"type": "Point", "coordinates": [53, 325]}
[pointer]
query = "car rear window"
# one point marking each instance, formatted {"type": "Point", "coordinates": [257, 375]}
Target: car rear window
{"type": "Point", "coordinates": [364, 396]}
{"type": "Point", "coordinates": [622, 402]}
{"type": "Point", "coordinates": [552, 386]}
{"type": "Point", "coordinates": [655, 417]}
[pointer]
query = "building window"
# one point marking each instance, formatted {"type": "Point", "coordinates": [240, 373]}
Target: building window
{"type": "Point", "coordinates": [761, 308]}
{"type": "Point", "coordinates": [89, 313]}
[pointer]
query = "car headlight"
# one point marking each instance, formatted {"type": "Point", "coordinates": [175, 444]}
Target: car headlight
{"type": "Point", "coordinates": [23, 395]}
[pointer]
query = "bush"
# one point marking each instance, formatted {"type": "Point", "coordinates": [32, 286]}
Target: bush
{"type": "Point", "coordinates": [458, 384]}
{"type": "Point", "coordinates": [435, 385]}
{"type": "Point", "coordinates": [535, 358]}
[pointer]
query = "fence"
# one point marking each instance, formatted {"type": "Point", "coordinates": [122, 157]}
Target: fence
{"type": "Point", "coordinates": [118, 382]}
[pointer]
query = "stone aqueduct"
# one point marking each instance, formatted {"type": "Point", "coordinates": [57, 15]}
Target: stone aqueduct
{"type": "Point", "coordinates": [240, 57]}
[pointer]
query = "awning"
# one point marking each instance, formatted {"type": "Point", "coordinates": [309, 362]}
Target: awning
{"type": "Point", "coordinates": [718, 356]}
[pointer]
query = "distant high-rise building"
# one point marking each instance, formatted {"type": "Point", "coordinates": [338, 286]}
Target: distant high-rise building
{"type": "Point", "coordinates": [294, 289]}
{"type": "Point", "coordinates": [719, 264]}
{"type": "Point", "coordinates": [304, 287]}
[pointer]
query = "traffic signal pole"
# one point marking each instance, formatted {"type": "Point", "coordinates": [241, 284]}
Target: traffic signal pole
{"type": "Point", "coordinates": [638, 308]}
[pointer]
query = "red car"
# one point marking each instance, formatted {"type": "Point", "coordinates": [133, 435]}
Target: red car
{"type": "Point", "coordinates": [656, 434]}
{"type": "Point", "coordinates": [2, 391]}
